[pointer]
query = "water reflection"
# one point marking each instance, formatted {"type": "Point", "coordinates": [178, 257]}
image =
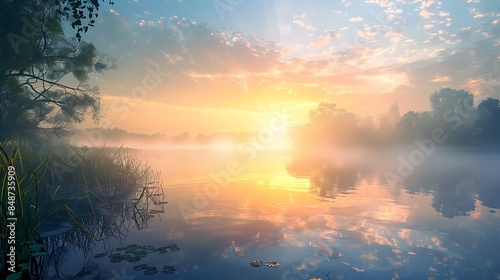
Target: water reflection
{"type": "Point", "coordinates": [70, 252]}
{"type": "Point", "coordinates": [455, 181]}
{"type": "Point", "coordinates": [320, 219]}
{"type": "Point", "coordinates": [381, 231]}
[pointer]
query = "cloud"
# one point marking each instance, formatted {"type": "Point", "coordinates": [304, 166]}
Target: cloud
{"type": "Point", "coordinates": [325, 38]}
{"type": "Point", "coordinates": [441, 79]}
{"type": "Point", "coordinates": [426, 14]}
{"type": "Point", "coordinates": [300, 20]}
{"type": "Point", "coordinates": [427, 4]}
{"type": "Point", "coordinates": [381, 3]}
{"type": "Point", "coordinates": [356, 19]}
{"type": "Point", "coordinates": [206, 63]}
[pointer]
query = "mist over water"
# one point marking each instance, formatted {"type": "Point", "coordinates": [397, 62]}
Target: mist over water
{"type": "Point", "coordinates": [336, 214]}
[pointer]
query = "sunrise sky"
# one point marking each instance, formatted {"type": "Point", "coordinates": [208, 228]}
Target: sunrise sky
{"type": "Point", "coordinates": [227, 65]}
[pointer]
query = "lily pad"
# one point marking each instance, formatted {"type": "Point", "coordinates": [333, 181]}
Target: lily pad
{"type": "Point", "coordinates": [149, 248]}
{"type": "Point", "coordinates": [122, 249]}
{"type": "Point", "coordinates": [140, 267]}
{"type": "Point", "coordinates": [150, 271]}
{"type": "Point", "coordinates": [256, 263]}
{"type": "Point", "coordinates": [168, 269]}
{"type": "Point", "coordinates": [100, 255]}
{"type": "Point", "coordinates": [173, 247]}
{"type": "Point", "coordinates": [115, 255]}
{"type": "Point", "coordinates": [116, 260]}
{"type": "Point", "coordinates": [140, 255]}
{"type": "Point", "coordinates": [272, 264]}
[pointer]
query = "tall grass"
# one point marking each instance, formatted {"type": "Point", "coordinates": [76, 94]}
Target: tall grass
{"type": "Point", "coordinates": [73, 183]}
{"type": "Point", "coordinates": [35, 201]}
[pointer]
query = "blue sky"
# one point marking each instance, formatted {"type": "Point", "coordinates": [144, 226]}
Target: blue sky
{"type": "Point", "coordinates": [235, 57]}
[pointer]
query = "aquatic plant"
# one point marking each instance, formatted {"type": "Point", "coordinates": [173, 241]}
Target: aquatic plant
{"type": "Point", "coordinates": [29, 196]}
{"type": "Point", "coordinates": [55, 186]}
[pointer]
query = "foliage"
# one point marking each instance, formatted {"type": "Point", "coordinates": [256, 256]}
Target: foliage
{"type": "Point", "coordinates": [35, 200]}
{"type": "Point", "coordinates": [486, 126]}
{"type": "Point", "coordinates": [78, 12]}
{"type": "Point", "coordinates": [44, 74]}
{"type": "Point", "coordinates": [450, 99]}
{"type": "Point", "coordinates": [452, 111]}
{"type": "Point", "coordinates": [69, 185]}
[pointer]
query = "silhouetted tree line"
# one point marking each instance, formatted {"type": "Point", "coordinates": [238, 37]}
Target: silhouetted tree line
{"type": "Point", "coordinates": [452, 110]}
{"type": "Point", "coordinates": [116, 136]}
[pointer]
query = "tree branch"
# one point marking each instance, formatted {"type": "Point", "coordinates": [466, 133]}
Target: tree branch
{"type": "Point", "coordinates": [41, 79]}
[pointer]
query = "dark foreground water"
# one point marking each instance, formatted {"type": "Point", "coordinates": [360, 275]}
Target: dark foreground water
{"type": "Point", "coordinates": [329, 218]}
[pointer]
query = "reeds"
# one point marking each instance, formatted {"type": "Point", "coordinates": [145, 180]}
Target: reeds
{"type": "Point", "coordinates": [72, 183]}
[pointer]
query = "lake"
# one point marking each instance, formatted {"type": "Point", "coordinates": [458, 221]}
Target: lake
{"type": "Point", "coordinates": [334, 217]}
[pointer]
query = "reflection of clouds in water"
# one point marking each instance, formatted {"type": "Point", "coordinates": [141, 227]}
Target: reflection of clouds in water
{"type": "Point", "coordinates": [390, 213]}
{"type": "Point", "coordinates": [234, 250]}
{"type": "Point", "coordinates": [367, 232]}
{"type": "Point", "coordinates": [365, 245]}
{"type": "Point", "coordinates": [410, 238]}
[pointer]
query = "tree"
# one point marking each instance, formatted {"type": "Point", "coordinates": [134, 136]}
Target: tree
{"type": "Point", "coordinates": [44, 74]}
{"type": "Point", "coordinates": [388, 120]}
{"type": "Point", "coordinates": [450, 100]}
{"type": "Point", "coordinates": [487, 126]}
{"type": "Point", "coordinates": [337, 125]}
{"type": "Point", "coordinates": [387, 124]}
{"type": "Point", "coordinates": [453, 111]}
{"type": "Point", "coordinates": [408, 125]}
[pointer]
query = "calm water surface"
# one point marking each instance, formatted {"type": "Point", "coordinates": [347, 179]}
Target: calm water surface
{"type": "Point", "coordinates": [318, 218]}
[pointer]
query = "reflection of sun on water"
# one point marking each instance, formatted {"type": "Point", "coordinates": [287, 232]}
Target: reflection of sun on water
{"type": "Point", "coordinates": [288, 183]}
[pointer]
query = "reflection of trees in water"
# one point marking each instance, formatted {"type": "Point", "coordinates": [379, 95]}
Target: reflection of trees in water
{"type": "Point", "coordinates": [489, 185]}
{"type": "Point", "coordinates": [455, 182]}
{"type": "Point", "coordinates": [114, 220]}
{"type": "Point", "coordinates": [454, 200]}
{"type": "Point", "coordinates": [333, 182]}
{"type": "Point", "coordinates": [327, 179]}
{"type": "Point", "coordinates": [456, 186]}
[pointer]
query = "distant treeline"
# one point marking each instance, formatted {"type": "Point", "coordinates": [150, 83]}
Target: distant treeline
{"type": "Point", "coordinates": [116, 136]}
{"type": "Point", "coordinates": [453, 118]}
